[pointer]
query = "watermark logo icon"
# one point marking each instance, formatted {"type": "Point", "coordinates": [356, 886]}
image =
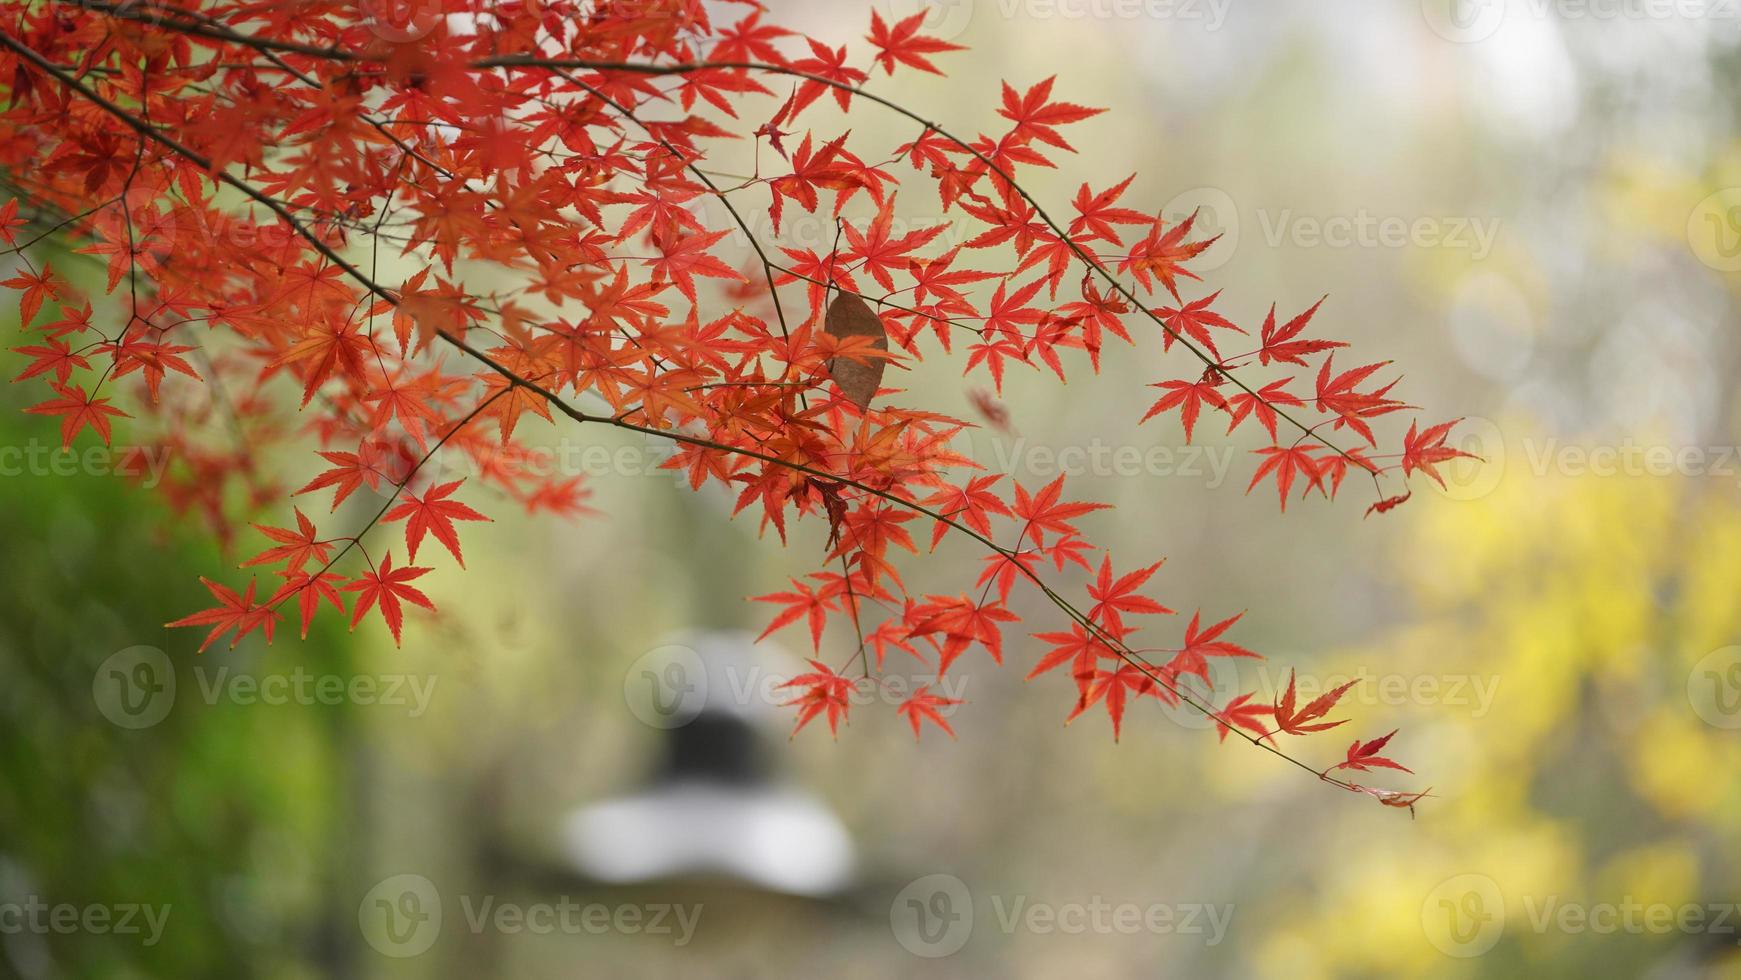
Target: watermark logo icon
{"type": "Point", "coordinates": [1714, 688]}
{"type": "Point", "coordinates": [400, 21]}
{"type": "Point", "coordinates": [135, 688]}
{"type": "Point", "coordinates": [666, 687]}
{"type": "Point", "coordinates": [1217, 214]}
{"type": "Point", "coordinates": [1464, 21]}
{"type": "Point", "coordinates": [1478, 474]}
{"type": "Point", "coordinates": [933, 916]}
{"type": "Point", "coordinates": [1714, 230]}
{"type": "Point", "coordinates": [945, 20]}
{"type": "Point", "coordinates": [401, 916]}
{"type": "Point", "coordinates": [1225, 674]}
{"type": "Point", "coordinates": [1464, 916]}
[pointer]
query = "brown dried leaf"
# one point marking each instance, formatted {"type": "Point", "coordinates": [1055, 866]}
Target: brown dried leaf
{"type": "Point", "coordinates": [849, 316]}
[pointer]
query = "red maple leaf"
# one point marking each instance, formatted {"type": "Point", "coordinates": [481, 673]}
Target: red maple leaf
{"type": "Point", "coordinates": [1425, 450]}
{"type": "Point", "coordinates": [1113, 598]}
{"type": "Point", "coordinates": [923, 705]}
{"type": "Point", "coordinates": [1188, 397]}
{"type": "Point", "coordinates": [1163, 254]}
{"type": "Point", "coordinates": [1365, 756]}
{"type": "Point", "coordinates": [1303, 721]}
{"type": "Point", "coordinates": [1199, 646]}
{"type": "Point", "coordinates": [385, 586]}
{"type": "Point", "coordinates": [348, 472]}
{"type": "Point", "coordinates": [295, 548]}
{"type": "Point", "coordinates": [434, 513]}
{"type": "Point", "coordinates": [1280, 345]}
{"type": "Point", "coordinates": [328, 348]}
{"type": "Point", "coordinates": [1194, 320]}
{"type": "Point", "coordinates": [904, 43]}
{"type": "Point", "coordinates": [1077, 647]}
{"type": "Point", "coordinates": [1115, 688]}
{"type": "Point", "coordinates": [233, 612]}
{"type": "Point", "coordinates": [681, 261]}
{"type": "Point", "coordinates": [10, 222]}
{"type": "Point", "coordinates": [802, 602]}
{"type": "Point", "coordinates": [971, 505]}
{"type": "Point", "coordinates": [1044, 512]}
{"type": "Point", "coordinates": [309, 590]}
{"type": "Point", "coordinates": [829, 63]}
{"type": "Point", "coordinates": [37, 287]}
{"type": "Point", "coordinates": [825, 693]}
{"type": "Point", "coordinates": [961, 622]}
{"type": "Point", "coordinates": [1339, 395]}
{"type": "Point", "coordinates": [1285, 464]}
{"type": "Point", "coordinates": [57, 356]}
{"type": "Point", "coordinates": [1036, 116]}
{"type": "Point", "coordinates": [78, 410]}
{"type": "Point", "coordinates": [1097, 214]}
{"type": "Point", "coordinates": [1261, 405]}
{"type": "Point", "coordinates": [1242, 713]}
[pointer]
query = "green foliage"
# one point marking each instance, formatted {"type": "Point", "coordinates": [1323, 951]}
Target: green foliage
{"type": "Point", "coordinates": [233, 815]}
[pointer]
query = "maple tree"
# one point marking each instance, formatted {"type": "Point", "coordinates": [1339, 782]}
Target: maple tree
{"type": "Point", "coordinates": [237, 168]}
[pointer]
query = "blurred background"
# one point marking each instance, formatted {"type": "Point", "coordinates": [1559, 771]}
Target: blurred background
{"type": "Point", "coordinates": [579, 769]}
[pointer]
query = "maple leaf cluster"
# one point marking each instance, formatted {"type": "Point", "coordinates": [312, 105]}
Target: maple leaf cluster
{"type": "Point", "coordinates": [242, 171]}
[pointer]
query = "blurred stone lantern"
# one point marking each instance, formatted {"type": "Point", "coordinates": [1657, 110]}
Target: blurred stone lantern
{"type": "Point", "coordinates": [714, 805]}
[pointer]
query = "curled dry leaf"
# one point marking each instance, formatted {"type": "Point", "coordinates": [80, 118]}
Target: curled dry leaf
{"type": "Point", "coordinates": [995, 413]}
{"type": "Point", "coordinates": [849, 316]}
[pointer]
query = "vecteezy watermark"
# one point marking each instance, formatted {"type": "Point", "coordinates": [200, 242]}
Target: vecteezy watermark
{"type": "Point", "coordinates": [567, 457]}
{"type": "Point", "coordinates": [1492, 455]}
{"type": "Point", "coordinates": [1714, 230]}
{"type": "Point", "coordinates": [944, 19]}
{"type": "Point", "coordinates": [137, 687]}
{"type": "Point", "coordinates": [1021, 457]}
{"type": "Point", "coordinates": [412, 692]}
{"type": "Point", "coordinates": [1216, 220]}
{"type": "Point", "coordinates": [402, 916]}
{"type": "Point", "coordinates": [1632, 458]}
{"type": "Point", "coordinates": [572, 458]}
{"type": "Point", "coordinates": [400, 21]}
{"type": "Point", "coordinates": [948, 19]}
{"type": "Point", "coordinates": [1218, 214]}
{"type": "Point", "coordinates": [1469, 21]}
{"type": "Point", "coordinates": [1208, 14]}
{"type": "Point", "coordinates": [1231, 676]}
{"type": "Point", "coordinates": [818, 231]}
{"type": "Point", "coordinates": [1714, 688]}
{"type": "Point", "coordinates": [1465, 916]}
{"type": "Point", "coordinates": [1214, 215]}
{"type": "Point", "coordinates": [35, 916]}
{"type": "Point", "coordinates": [934, 916]}
{"type": "Point", "coordinates": [1364, 229]}
{"type": "Point", "coordinates": [670, 685]}
{"type": "Point", "coordinates": [1464, 21]}
{"type": "Point", "coordinates": [41, 459]}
